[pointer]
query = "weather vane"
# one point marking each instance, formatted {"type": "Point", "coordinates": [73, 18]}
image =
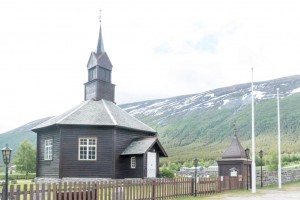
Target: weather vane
{"type": "Point", "coordinates": [100, 16]}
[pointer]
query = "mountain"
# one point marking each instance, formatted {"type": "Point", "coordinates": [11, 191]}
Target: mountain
{"type": "Point", "coordinates": [202, 124]}
{"type": "Point", "coordinates": [14, 137]}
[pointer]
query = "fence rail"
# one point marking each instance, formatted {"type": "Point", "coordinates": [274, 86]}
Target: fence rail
{"type": "Point", "coordinates": [134, 189]}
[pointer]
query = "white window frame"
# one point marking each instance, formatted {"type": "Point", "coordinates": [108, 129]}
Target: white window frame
{"type": "Point", "coordinates": [88, 148]}
{"type": "Point", "coordinates": [133, 162]}
{"type": "Point", "coordinates": [48, 150]}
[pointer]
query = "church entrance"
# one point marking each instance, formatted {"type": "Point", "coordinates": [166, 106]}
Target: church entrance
{"type": "Point", "coordinates": [151, 165]}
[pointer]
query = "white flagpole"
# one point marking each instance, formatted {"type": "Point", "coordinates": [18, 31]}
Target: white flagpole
{"type": "Point", "coordinates": [279, 141]}
{"type": "Point", "coordinates": [253, 167]}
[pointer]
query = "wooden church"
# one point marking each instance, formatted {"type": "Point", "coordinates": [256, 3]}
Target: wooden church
{"type": "Point", "coordinates": [97, 139]}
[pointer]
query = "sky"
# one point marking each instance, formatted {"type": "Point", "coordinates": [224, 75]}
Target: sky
{"type": "Point", "coordinates": [158, 48]}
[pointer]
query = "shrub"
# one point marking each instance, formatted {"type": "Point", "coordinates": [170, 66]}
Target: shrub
{"type": "Point", "coordinates": [167, 173]}
{"type": "Point", "coordinates": [18, 176]}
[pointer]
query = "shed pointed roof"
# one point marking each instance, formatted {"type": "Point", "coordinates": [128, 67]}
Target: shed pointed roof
{"type": "Point", "coordinates": [235, 150]}
{"type": "Point", "coordinates": [97, 113]}
{"type": "Point", "coordinates": [143, 145]}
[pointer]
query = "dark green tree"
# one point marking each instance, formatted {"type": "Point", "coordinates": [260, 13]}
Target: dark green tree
{"type": "Point", "coordinates": [25, 158]}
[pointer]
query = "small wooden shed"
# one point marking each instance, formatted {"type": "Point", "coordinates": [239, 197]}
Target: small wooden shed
{"type": "Point", "coordinates": [235, 163]}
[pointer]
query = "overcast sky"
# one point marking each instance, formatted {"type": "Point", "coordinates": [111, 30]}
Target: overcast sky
{"type": "Point", "coordinates": [158, 48]}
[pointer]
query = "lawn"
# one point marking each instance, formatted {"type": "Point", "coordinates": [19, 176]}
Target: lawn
{"type": "Point", "coordinates": [20, 182]}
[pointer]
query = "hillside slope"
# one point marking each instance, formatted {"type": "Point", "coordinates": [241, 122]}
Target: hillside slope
{"type": "Point", "coordinates": [202, 124]}
{"type": "Point", "coordinates": [14, 137]}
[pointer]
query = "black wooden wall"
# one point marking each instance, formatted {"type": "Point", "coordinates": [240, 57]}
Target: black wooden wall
{"type": "Point", "coordinates": [225, 166]}
{"type": "Point", "coordinates": [71, 166]}
{"type": "Point", "coordinates": [111, 142]}
{"type": "Point", "coordinates": [48, 168]}
{"type": "Point", "coordinates": [123, 138]}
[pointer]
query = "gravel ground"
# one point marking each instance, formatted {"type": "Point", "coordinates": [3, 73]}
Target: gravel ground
{"type": "Point", "coordinates": [270, 194]}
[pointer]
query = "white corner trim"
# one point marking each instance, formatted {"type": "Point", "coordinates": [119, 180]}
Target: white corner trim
{"type": "Point", "coordinates": [109, 113]}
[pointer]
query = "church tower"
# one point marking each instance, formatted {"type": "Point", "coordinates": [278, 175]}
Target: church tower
{"type": "Point", "coordinates": [97, 139]}
{"type": "Point", "coordinates": [99, 67]}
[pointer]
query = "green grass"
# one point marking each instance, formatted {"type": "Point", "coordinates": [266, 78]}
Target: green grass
{"type": "Point", "coordinates": [20, 182]}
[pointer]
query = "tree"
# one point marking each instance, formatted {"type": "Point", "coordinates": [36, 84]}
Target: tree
{"type": "Point", "coordinates": [273, 162]}
{"type": "Point", "coordinates": [167, 173]}
{"type": "Point", "coordinates": [25, 158]}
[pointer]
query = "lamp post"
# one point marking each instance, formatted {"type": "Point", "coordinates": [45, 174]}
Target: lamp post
{"type": "Point", "coordinates": [6, 153]}
{"type": "Point", "coordinates": [261, 154]}
{"type": "Point", "coordinates": [247, 156]}
{"type": "Point", "coordinates": [195, 161]}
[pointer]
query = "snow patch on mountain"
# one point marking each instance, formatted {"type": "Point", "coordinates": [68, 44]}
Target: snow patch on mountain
{"type": "Point", "coordinates": [244, 97]}
{"type": "Point", "coordinates": [297, 90]}
{"type": "Point", "coordinates": [259, 94]}
{"type": "Point", "coordinates": [233, 97]}
{"type": "Point", "coordinates": [209, 104]}
{"type": "Point", "coordinates": [210, 95]}
{"type": "Point", "coordinates": [225, 101]}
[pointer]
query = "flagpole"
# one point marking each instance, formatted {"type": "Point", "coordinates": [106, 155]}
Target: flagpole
{"type": "Point", "coordinates": [253, 167]}
{"type": "Point", "coordinates": [279, 141]}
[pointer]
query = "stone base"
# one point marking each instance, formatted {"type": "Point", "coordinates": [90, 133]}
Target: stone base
{"type": "Point", "coordinates": [68, 180]}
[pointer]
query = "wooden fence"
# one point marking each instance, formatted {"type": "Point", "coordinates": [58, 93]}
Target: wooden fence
{"type": "Point", "coordinates": [134, 189]}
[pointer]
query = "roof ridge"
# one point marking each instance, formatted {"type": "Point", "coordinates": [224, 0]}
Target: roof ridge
{"type": "Point", "coordinates": [109, 113]}
{"type": "Point", "coordinates": [135, 118]}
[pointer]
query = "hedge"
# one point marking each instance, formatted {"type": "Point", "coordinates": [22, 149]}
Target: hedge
{"type": "Point", "coordinates": [18, 176]}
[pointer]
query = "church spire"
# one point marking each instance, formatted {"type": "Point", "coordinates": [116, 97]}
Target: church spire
{"type": "Point", "coordinates": [100, 46]}
{"type": "Point", "coordinates": [99, 67]}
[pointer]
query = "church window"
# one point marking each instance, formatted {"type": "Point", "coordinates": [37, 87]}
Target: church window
{"type": "Point", "coordinates": [133, 162]}
{"type": "Point", "coordinates": [87, 148]}
{"type": "Point", "coordinates": [48, 149]}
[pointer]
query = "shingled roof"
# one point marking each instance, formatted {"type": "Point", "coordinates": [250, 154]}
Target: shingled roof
{"type": "Point", "coordinates": [143, 145]}
{"type": "Point", "coordinates": [235, 150]}
{"type": "Point", "coordinates": [99, 59]}
{"type": "Point", "coordinates": [98, 113]}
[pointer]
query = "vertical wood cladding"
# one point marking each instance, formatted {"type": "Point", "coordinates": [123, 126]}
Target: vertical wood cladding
{"type": "Point", "coordinates": [99, 89]}
{"type": "Point", "coordinates": [123, 170]}
{"type": "Point", "coordinates": [71, 166]}
{"type": "Point", "coordinates": [48, 168]}
{"type": "Point", "coordinates": [111, 142]}
{"type": "Point", "coordinates": [225, 166]}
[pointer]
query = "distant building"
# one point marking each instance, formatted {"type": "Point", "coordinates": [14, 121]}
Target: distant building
{"type": "Point", "coordinates": [234, 162]}
{"type": "Point", "coordinates": [97, 139]}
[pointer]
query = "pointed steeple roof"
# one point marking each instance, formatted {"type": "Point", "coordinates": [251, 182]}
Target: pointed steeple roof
{"type": "Point", "coordinates": [100, 46]}
{"type": "Point", "coordinates": [235, 150]}
{"type": "Point", "coordinates": [100, 57]}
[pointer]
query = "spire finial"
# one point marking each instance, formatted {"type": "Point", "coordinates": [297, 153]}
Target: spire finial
{"type": "Point", "coordinates": [100, 46]}
{"type": "Point", "coordinates": [100, 19]}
